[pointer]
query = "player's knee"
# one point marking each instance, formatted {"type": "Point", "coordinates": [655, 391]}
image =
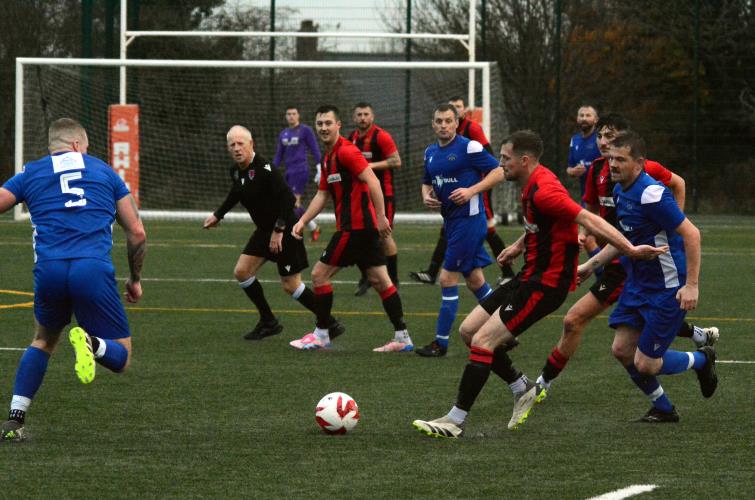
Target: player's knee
{"type": "Point", "coordinates": [622, 352]}
{"type": "Point", "coordinates": [466, 333]}
{"type": "Point", "coordinates": [319, 277]}
{"type": "Point", "coordinates": [290, 285]}
{"type": "Point", "coordinates": [573, 324]}
{"type": "Point", "coordinates": [241, 273]}
{"type": "Point", "coordinates": [646, 366]}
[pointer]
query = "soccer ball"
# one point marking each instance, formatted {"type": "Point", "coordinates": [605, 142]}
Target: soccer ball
{"type": "Point", "coordinates": [337, 413]}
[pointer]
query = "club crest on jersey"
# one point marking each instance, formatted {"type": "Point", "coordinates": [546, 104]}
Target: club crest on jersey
{"type": "Point", "coordinates": [451, 157]}
{"type": "Point", "coordinates": [251, 174]}
{"type": "Point", "coordinates": [334, 178]}
{"type": "Point", "coordinates": [367, 155]}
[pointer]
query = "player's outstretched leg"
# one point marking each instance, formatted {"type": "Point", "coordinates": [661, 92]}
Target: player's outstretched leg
{"type": "Point", "coordinates": [82, 348]}
{"type": "Point", "coordinates": [706, 375]}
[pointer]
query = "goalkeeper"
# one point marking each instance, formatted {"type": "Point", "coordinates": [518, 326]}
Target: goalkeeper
{"type": "Point", "coordinates": [293, 143]}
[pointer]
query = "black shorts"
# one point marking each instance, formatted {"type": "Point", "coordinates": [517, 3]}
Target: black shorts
{"type": "Point", "coordinates": [608, 286]}
{"type": "Point", "coordinates": [347, 248]}
{"type": "Point", "coordinates": [291, 260]}
{"type": "Point", "coordinates": [521, 304]}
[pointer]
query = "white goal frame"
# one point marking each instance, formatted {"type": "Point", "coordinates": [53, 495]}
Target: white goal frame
{"type": "Point", "coordinates": [21, 62]}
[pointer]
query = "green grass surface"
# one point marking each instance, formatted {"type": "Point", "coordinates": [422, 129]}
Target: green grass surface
{"type": "Point", "coordinates": [203, 413]}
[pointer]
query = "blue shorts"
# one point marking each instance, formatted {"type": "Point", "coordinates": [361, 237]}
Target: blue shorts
{"type": "Point", "coordinates": [655, 313]}
{"type": "Point", "coordinates": [84, 287]}
{"type": "Point", "coordinates": [297, 180]}
{"type": "Point", "coordinates": [466, 239]}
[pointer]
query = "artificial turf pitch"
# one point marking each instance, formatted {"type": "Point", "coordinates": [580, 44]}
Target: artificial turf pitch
{"type": "Point", "coordinates": [204, 413]}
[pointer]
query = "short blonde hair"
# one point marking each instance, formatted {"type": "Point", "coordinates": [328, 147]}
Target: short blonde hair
{"type": "Point", "coordinates": [63, 132]}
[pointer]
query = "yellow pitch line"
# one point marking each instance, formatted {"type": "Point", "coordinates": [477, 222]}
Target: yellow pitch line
{"type": "Point", "coordinates": [17, 292]}
{"type": "Point", "coordinates": [22, 305]}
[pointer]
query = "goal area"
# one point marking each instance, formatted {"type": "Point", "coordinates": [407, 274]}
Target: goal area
{"type": "Point", "coordinates": [186, 108]}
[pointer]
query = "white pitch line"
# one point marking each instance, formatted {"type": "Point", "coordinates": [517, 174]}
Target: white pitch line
{"type": "Point", "coordinates": [225, 280]}
{"type": "Point", "coordinates": [627, 492]}
{"type": "Point", "coordinates": [735, 362]}
{"type": "Point", "coordinates": [12, 348]}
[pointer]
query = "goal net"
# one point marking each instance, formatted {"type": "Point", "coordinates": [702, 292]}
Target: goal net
{"type": "Point", "coordinates": [186, 110]}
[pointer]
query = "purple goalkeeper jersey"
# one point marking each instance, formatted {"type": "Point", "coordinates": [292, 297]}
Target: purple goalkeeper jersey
{"type": "Point", "coordinates": [292, 148]}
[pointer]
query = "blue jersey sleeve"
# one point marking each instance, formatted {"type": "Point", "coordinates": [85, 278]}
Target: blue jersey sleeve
{"type": "Point", "coordinates": [119, 187]}
{"type": "Point", "coordinates": [479, 158]}
{"type": "Point", "coordinates": [16, 186]}
{"type": "Point", "coordinates": [659, 206]}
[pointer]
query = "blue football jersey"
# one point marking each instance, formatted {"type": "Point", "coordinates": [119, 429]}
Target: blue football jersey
{"type": "Point", "coordinates": [648, 215]}
{"type": "Point", "coordinates": [460, 163]}
{"type": "Point", "coordinates": [71, 198]}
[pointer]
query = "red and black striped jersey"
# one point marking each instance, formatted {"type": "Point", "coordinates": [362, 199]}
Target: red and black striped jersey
{"type": "Point", "coordinates": [551, 248]}
{"type": "Point", "coordinates": [340, 169]}
{"type": "Point", "coordinates": [472, 130]}
{"type": "Point", "coordinates": [377, 145]}
{"type": "Point", "coordinates": [599, 186]}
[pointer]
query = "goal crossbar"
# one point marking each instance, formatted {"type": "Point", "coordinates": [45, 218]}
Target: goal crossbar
{"type": "Point", "coordinates": [21, 62]}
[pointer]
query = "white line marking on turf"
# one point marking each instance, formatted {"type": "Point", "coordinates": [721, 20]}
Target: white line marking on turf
{"type": "Point", "coordinates": [225, 280]}
{"type": "Point", "coordinates": [629, 491]}
{"type": "Point", "coordinates": [735, 362]}
{"type": "Point", "coordinates": [12, 348]}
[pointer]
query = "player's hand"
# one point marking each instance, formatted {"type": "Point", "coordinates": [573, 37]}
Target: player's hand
{"type": "Point", "coordinates": [276, 243]}
{"type": "Point", "coordinates": [687, 297]}
{"type": "Point", "coordinates": [647, 252]}
{"type": "Point", "coordinates": [507, 256]}
{"type": "Point", "coordinates": [298, 230]}
{"type": "Point", "coordinates": [133, 291]}
{"type": "Point", "coordinates": [384, 227]}
{"type": "Point", "coordinates": [461, 195]}
{"type": "Point", "coordinates": [584, 271]}
{"type": "Point", "coordinates": [210, 221]}
{"type": "Point", "coordinates": [431, 201]}
{"type": "Point", "coordinates": [577, 170]}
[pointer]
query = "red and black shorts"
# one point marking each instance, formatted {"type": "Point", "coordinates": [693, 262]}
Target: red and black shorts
{"type": "Point", "coordinates": [347, 248]}
{"type": "Point", "coordinates": [291, 260]}
{"type": "Point", "coordinates": [608, 286]}
{"type": "Point", "coordinates": [521, 304]}
{"type": "Point", "coordinates": [390, 208]}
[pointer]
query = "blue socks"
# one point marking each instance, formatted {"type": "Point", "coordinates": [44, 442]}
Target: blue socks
{"type": "Point", "coordinates": [30, 373]}
{"type": "Point", "coordinates": [111, 355]}
{"type": "Point", "coordinates": [652, 389]}
{"type": "Point", "coordinates": [677, 362]}
{"type": "Point", "coordinates": [483, 292]}
{"type": "Point", "coordinates": [447, 314]}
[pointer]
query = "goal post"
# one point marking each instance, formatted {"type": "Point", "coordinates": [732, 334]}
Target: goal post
{"type": "Point", "coordinates": [187, 106]}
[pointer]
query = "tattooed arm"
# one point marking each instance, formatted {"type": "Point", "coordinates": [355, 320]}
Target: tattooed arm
{"type": "Point", "coordinates": [127, 215]}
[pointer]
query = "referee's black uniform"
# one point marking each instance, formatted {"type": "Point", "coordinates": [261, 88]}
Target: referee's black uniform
{"type": "Point", "coordinates": [261, 189]}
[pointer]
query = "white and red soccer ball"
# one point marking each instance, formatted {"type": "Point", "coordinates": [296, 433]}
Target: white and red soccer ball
{"type": "Point", "coordinates": [337, 413]}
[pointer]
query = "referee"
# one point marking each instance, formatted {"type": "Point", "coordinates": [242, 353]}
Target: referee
{"type": "Point", "coordinates": [262, 190]}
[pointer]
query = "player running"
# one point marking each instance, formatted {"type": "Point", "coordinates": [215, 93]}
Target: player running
{"type": "Point", "coordinates": [608, 285]}
{"type": "Point", "coordinates": [347, 178]}
{"type": "Point", "coordinates": [550, 252]}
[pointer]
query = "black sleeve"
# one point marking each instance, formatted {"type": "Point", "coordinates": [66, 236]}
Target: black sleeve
{"type": "Point", "coordinates": [489, 149]}
{"type": "Point", "coordinates": [234, 195]}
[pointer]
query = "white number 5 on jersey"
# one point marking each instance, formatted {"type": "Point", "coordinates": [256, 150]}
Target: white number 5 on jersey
{"type": "Point", "coordinates": [64, 180]}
